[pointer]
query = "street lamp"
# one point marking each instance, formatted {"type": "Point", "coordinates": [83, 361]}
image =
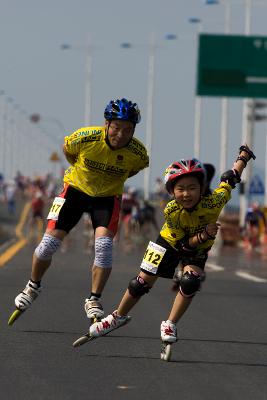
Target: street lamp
{"type": "Point", "coordinates": [54, 154]}
{"type": "Point", "coordinates": [39, 118]}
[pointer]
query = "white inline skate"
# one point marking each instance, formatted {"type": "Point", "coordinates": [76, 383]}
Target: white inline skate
{"type": "Point", "coordinates": [102, 328]}
{"type": "Point", "coordinates": [168, 332]}
{"type": "Point", "coordinates": [24, 300]}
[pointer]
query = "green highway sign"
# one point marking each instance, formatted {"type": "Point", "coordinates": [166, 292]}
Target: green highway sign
{"type": "Point", "coordinates": [232, 66]}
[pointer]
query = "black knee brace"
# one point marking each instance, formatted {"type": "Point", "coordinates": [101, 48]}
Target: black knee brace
{"type": "Point", "coordinates": [190, 283]}
{"type": "Point", "coordinates": [138, 287]}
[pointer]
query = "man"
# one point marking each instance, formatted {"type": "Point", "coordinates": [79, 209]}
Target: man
{"type": "Point", "coordinates": [101, 158]}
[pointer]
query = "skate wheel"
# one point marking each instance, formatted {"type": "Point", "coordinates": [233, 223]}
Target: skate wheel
{"type": "Point", "coordinates": [82, 340]}
{"type": "Point", "coordinates": [15, 315]}
{"type": "Point", "coordinates": [165, 354]}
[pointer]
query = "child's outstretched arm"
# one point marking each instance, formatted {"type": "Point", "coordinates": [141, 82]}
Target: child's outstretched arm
{"type": "Point", "coordinates": [233, 176]}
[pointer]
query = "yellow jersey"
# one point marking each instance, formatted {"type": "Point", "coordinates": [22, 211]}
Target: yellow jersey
{"type": "Point", "coordinates": [99, 170]}
{"type": "Point", "coordinates": [181, 223]}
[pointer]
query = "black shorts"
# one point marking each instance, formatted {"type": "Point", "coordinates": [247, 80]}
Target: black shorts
{"type": "Point", "coordinates": [71, 203]}
{"type": "Point", "coordinates": [161, 259]}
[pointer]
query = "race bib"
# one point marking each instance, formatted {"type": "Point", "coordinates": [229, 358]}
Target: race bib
{"type": "Point", "coordinates": [152, 257]}
{"type": "Point", "coordinates": [56, 207]}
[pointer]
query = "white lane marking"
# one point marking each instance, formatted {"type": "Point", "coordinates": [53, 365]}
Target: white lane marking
{"type": "Point", "coordinates": [241, 274]}
{"type": "Point", "coordinates": [250, 277]}
{"type": "Point", "coordinates": [214, 267]}
{"type": "Point", "coordinates": [6, 244]}
{"type": "Point", "coordinates": [125, 387]}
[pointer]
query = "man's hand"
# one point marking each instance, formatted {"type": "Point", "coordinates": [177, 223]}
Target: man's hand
{"type": "Point", "coordinates": [71, 158]}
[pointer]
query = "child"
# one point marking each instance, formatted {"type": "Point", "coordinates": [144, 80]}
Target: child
{"type": "Point", "coordinates": [186, 237]}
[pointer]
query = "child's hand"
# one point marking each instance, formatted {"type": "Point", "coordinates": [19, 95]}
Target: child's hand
{"type": "Point", "coordinates": [212, 229]}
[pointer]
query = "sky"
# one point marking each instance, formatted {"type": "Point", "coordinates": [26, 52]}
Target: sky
{"type": "Point", "coordinates": [42, 78]}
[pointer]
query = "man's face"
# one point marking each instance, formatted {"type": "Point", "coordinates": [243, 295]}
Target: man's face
{"type": "Point", "coordinates": [119, 133]}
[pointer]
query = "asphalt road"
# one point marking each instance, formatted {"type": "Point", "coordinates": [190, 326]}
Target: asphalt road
{"type": "Point", "coordinates": [221, 353]}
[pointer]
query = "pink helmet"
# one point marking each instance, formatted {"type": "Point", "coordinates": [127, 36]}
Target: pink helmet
{"type": "Point", "coordinates": [181, 168]}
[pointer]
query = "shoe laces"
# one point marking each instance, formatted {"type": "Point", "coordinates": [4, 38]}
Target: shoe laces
{"type": "Point", "coordinates": [94, 304]}
{"type": "Point", "coordinates": [30, 291]}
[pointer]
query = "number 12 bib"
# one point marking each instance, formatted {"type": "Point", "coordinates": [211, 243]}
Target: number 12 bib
{"type": "Point", "coordinates": [152, 257]}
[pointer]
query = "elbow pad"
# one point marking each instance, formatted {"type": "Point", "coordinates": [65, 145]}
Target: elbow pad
{"type": "Point", "coordinates": [231, 177]}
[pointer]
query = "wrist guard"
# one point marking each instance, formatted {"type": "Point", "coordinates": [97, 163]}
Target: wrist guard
{"type": "Point", "coordinates": [248, 151]}
{"type": "Point", "coordinates": [231, 177]}
{"type": "Point", "coordinates": [242, 158]}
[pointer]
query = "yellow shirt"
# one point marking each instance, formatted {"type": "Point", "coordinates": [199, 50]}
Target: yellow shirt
{"type": "Point", "coordinates": [181, 223]}
{"type": "Point", "coordinates": [99, 170]}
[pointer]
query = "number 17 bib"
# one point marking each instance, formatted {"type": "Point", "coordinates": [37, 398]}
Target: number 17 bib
{"type": "Point", "coordinates": [56, 207]}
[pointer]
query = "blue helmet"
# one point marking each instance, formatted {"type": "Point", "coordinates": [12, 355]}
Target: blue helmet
{"type": "Point", "coordinates": [122, 109]}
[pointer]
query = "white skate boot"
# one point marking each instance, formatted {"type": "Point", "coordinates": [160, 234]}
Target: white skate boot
{"type": "Point", "coordinates": [107, 324]}
{"type": "Point", "coordinates": [24, 300]}
{"type": "Point", "coordinates": [168, 332]}
{"type": "Point", "coordinates": [27, 296]}
{"type": "Point", "coordinates": [93, 309]}
{"type": "Point", "coordinates": [101, 328]}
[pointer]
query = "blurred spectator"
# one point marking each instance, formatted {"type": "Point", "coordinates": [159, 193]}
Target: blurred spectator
{"type": "Point", "coordinates": [37, 217]}
{"type": "Point", "coordinates": [2, 189]}
{"type": "Point", "coordinates": [147, 218]}
{"type": "Point", "coordinates": [128, 214]}
{"type": "Point", "coordinates": [161, 195]}
{"type": "Point", "coordinates": [10, 196]}
{"type": "Point", "coordinates": [255, 224]}
{"type": "Point", "coordinates": [21, 183]}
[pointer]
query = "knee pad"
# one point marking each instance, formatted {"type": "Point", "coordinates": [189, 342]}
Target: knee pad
{"type": "Point", "coordinates": [47, 247]}
{"type": "Point", "coordinates": [103, 252]}
{"type": "Point", "coordinates": [189, 283]}
{"type": "Point", "coordinates": [138, 287]}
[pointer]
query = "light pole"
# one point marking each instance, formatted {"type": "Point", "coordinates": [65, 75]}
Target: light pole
{"type": "Point", "coordinates": [225, 102]}
{"type": "Point", "coordinates": [3, 113]}
{"type": "Point", "coordinates": [265, 183]}
{"type": "Point", "coordinates": [88, 48]}
{"type": "Point", "coordinates": [198, 100]}
{"type": "Point", "coordinates": [247, 130]}
{"type": "Point", "coordinates": [152, 46]}
{"type": "Point", "coordinates": [150, 104]}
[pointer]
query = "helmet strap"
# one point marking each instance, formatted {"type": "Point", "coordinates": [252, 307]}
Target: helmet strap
{"type": "Point", "coordinates": [106, 136]}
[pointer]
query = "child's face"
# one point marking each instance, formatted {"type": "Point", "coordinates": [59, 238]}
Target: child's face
{"type": "Point", "coordinates": [187, 191]}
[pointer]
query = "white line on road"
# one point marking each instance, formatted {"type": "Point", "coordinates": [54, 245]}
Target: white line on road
{"type": "Point", "coordinates": [214, 267]}
{"type": "Point", "coordinates": [241, 274]}
{"type": "Point", "coordinates": [250, 277]}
